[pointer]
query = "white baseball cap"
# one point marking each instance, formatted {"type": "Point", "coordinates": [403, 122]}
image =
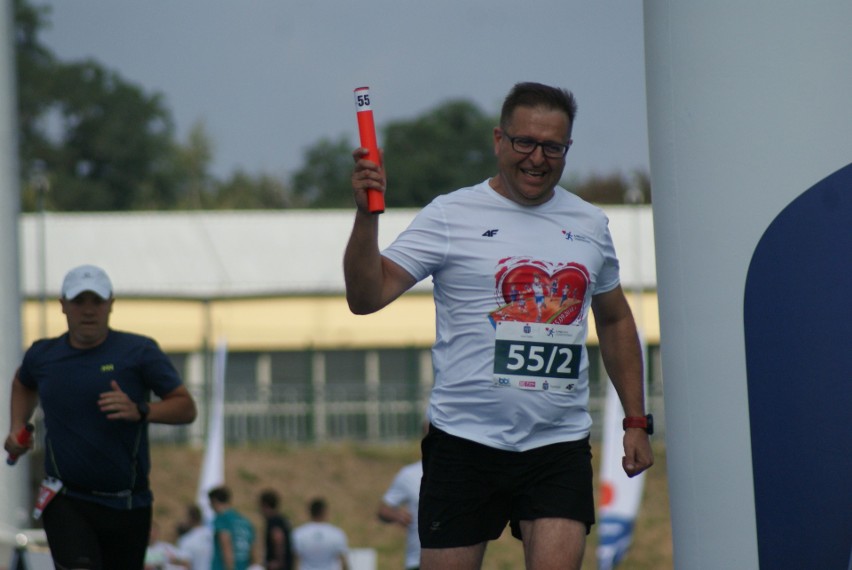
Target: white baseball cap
{"type": "Point", "coordinates": [86, 278]}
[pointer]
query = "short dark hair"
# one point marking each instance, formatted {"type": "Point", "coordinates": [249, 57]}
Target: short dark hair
{"type": "Point", "coordinates": [193, 514]}
{"type": "Point", "coordinates": [317, 507]}
{"type": "Point", "coordinates": [269, 498]}
{"type": "Point", "coordinates": [529, 94]}
{"type": "Point", "coordinates": [220, 495]}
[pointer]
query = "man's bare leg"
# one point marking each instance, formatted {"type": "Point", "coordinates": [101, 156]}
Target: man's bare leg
{"type": "Point", "coordinates": [553, 544]}
{"type": "Point", "coordinates": [461, 558]}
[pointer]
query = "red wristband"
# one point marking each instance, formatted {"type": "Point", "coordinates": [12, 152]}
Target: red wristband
{"type": "Point", "coordinates": [643, 422]}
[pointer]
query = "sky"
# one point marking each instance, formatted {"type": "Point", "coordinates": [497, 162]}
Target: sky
{"type": "Point", "coordinates": [270, 78]}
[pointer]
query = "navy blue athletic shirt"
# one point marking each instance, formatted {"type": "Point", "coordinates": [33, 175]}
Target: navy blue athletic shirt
{"type": "Point", "coordinates": [99, 460]}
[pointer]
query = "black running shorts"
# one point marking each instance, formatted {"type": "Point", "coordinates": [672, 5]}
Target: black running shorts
{"type": "Point", "coordinates": [471, 491]}
{"type": "Point", "coordinates": [82, 534]}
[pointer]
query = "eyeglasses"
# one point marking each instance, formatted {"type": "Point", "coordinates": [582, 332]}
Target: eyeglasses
{"type": "Point", "coordinates": [526, 145]}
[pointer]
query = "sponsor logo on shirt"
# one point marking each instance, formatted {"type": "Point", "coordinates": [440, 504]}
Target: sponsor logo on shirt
{"type": "Point", "coordinates": [555, 332]}
{"type": "Point", "coordinates": [571, 236]}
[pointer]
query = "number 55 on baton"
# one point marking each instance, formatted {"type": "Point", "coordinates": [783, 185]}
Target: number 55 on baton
{"type": "Point", "coordinates": [367, 131]}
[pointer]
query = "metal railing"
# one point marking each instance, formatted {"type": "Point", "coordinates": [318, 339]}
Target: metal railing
{"type": "Point", "coordinates": [341, 413]}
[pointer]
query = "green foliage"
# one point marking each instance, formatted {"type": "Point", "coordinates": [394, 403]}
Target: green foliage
{"type": "Point", "coordinates": [614, 188]}
{"type": "Point", "coordinates": [193, 169]}
{"type": "Point", "coordinates": [99, 142]}
{"type": "Point", "coordinates": [443, 149]}
{"type": "Point", "coordinates": [243, 191]}
{"type": "Point", "coordinates": [34, 63]}
{"type": "Point", "coordinates": [114, 151]}
{"type": "Point", "coordinates": [91, 140]}
{"type": "Point", "coordinates": [324, 180]}
{"type": "Point", "coordinates": [447, 148]}
{"type": "Point", "coordinates": [198, 189]}
{"type": "Point", "coordinates": [103, 143]}
{"type": "Point", "coordinates": [247, 476]}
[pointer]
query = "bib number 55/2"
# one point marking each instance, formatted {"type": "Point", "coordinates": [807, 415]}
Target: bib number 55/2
{"type": "Point", "coordinates": [549, 360]}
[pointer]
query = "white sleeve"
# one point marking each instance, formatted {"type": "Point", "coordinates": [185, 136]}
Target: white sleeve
{"type": "Point", "coordinates": [422, 247]}
{"type": "Point", "coordinates": [396, 495]}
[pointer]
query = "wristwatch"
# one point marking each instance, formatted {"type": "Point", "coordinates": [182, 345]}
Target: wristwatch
{"type": "Point", "coordinates": [644, 422]}
{"type": "Point", "coordinates": [143, 411]}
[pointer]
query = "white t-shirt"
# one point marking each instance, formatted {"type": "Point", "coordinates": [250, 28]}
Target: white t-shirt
{"type": "Point", "coordinates": [196, 545]}
{"type": "Point", "coordinates": [405, 491]}
{"type": "Point", "coordinates": [319, 546]}
{"type": "Point", "coordinates": [510, 375]}
{"type": "Point", "coordinates": [158, 556]}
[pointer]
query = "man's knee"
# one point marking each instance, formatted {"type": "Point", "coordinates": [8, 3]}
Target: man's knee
{"type": "Point", "coordinates": [460, 558]}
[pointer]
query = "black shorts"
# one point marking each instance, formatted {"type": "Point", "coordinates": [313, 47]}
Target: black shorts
{"type": "Point", "coordinates": [82, 534]}
{"type": "Point", "coordinates": [470, 491]}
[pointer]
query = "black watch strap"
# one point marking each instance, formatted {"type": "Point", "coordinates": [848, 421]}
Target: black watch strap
{"type": "Point", "coordinates": [143, 409]}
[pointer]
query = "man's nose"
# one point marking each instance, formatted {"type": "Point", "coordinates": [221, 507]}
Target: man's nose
{"type": "Point", "coordinates": [537, 155]}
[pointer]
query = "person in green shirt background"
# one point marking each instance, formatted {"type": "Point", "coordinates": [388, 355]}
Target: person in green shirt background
{"type": "Point", "coordinates": [233, 534]}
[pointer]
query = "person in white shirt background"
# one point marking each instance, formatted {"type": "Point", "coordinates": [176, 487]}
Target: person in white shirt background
{"type": "Point", "coordinates": [318, 544]}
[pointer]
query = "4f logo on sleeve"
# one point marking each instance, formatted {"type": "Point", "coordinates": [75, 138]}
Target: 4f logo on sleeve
{"type": "Point", "coordinates": [490, 233]}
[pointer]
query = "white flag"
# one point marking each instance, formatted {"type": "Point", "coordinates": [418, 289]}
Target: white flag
{"type": "Point", "coordinates": [620, 495]}
{"type": "Point", "coordinates": [213, 467]}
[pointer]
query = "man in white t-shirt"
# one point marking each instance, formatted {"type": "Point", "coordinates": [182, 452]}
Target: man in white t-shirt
{"type": "Point", "coordinates": [318, 544]}
{"type": "Point", "coordinates": [162, 555]}
{"type": "Point", "coordinates": [509, 434]}
{"type": "Point", "coordinates": [399, 506]}
{"type": "Point", "coordinates": [196, 544]}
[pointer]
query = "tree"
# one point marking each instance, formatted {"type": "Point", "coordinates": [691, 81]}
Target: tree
{"type": "Point", "coordinates": [115, 145]}
{"type": "Point", "coordinates": [443, 149]}
{"type": "Point", "coordinates": [102, 143]}
{"type": "Point", "coordinates": [612, 188]}
{"type": "Point", "coordinates": [243, 191]}
{"type": "Point", "coordinates": [34, 63]}
{"type": "Point", "coordinates": [446, 148]}
{"type": "Point", "coordinates": [105, 144]}
{"type": "Point", "coordinates": [197, 185]}
{"type": "Point", "coordinates": [324, 180]}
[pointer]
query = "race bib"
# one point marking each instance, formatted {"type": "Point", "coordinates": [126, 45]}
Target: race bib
{"type": "Point", "coordinates": [537, 356]}
{"type": "Point", "coordinates": [49, 487]}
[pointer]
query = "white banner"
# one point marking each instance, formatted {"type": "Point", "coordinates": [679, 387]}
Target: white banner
{"type": "Point", "coordinates": [213, 467]}
{"type": "Point", "coordinates": [620, 495]}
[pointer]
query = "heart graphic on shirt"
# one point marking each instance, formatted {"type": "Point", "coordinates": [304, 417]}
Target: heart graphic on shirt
{"type": "Point", "coordinates": [534, 291]}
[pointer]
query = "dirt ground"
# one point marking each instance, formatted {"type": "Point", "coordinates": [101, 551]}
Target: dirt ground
{"type": "Point", "coordinates": [353, 478]}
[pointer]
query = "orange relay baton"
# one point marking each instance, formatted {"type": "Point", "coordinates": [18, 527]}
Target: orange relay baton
{"type": "Point", "coordinates": [367, 131]}
{"type": "Point", "coordinates": [23, 437]}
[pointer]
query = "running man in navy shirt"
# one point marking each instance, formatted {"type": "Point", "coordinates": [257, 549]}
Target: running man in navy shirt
{"type": "Point", "coordinates": [94, 385]}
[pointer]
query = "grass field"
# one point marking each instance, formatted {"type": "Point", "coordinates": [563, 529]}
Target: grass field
{"type": "Point", "coordinates": [353, 477]}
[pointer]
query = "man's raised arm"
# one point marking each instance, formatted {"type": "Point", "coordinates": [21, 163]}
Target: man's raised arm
{"type": "Point", "coordinates": [372, 281]}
